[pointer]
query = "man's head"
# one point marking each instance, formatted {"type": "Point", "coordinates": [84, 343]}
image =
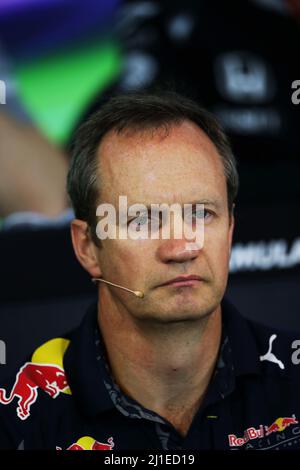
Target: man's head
{"type": "Point", "coordinates": [155, 149]}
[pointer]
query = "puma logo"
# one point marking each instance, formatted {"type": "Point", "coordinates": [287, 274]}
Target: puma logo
{"type": "Point", "coordinates": [269, 356]}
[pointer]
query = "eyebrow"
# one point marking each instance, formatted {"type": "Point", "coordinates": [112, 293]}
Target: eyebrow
{"type": "Point", "coordinates": [209, 202]}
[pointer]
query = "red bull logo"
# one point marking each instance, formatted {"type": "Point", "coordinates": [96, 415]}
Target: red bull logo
{"type": "Point", "coordinates": [44, 372]}
{"type": "Point", "coordinates": [251, 433]}
{"type": "Point", "coordinates": [280, 424]}
{"type": "Point", "coordinates": [89, 443]}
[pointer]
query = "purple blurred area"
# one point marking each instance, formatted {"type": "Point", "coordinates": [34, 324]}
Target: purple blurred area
{"type": "Point", "coordinates": [31, 28]}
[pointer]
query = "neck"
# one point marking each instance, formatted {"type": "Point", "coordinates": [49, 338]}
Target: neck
{"type": "Point", "coordinates": [165, 367]}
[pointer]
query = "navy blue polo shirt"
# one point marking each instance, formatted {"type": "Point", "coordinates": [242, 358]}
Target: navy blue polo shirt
{"type": "Point", "coordinates": [65, 397]}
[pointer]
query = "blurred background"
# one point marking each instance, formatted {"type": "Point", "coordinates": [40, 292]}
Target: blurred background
{"type": "Point", "coordinates": [61, 59]}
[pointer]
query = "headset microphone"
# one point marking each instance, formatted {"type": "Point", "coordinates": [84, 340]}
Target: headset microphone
{"type": "Point", "coordinates": [137, 293]}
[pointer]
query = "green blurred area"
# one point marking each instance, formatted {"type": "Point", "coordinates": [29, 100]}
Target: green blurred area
{"type": "Point", "coordinates": [57, 89]}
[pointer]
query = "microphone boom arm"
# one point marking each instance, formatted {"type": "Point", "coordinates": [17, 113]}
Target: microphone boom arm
{"type": "Point", "coordinates": [137, 293]}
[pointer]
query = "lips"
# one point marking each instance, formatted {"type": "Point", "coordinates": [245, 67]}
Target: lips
{"type": "Point", "coordinates": [183, 280]}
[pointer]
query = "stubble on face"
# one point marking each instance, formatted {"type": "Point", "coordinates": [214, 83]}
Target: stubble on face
{"type": "Point", "coordinates": [153, 168]}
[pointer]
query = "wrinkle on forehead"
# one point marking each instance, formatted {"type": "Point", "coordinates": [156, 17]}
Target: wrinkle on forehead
{"type": "Point", "coordinates": [134, 162]}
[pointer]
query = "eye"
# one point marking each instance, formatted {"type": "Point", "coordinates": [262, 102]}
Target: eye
{"type": "Point", "coordinates": [140, 221]}
{"type": "Point", "coordinates": [143, 220]}
{"type": "Point", "coordinates": [202, 214]}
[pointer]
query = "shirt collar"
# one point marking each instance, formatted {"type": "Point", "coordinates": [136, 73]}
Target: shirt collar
{"type": "Point", "coordinates": [245, 354]}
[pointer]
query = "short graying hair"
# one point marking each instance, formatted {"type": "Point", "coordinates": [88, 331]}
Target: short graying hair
{"type": "Point", "coordinates": [138, 112]}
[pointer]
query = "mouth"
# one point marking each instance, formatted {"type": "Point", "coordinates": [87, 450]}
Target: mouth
{"type": "Point", "coordinates": [181, 281]}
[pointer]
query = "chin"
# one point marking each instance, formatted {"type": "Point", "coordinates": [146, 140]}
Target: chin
{"type": "Point", "coordinates": [186, 314]}
{"type": "Point", "coordinates": [195, 308]}
{"type": "Point", "coordinates": [183, 318]}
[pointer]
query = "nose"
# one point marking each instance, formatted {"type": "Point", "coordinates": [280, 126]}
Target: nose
{"type": "Point", "coordinates": [178, 251]}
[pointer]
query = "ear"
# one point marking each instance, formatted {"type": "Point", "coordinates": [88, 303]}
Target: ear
{"type": "Point", "coordinates": [231, 226]}
{"type": "Point", "coordinates": [85, 249]}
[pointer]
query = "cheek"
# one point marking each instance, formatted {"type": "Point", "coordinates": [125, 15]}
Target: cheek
{"type": "Point", "coordinates": [108, 258]}
{"type": "Point", "coordinates": [135, 255]}
{"type": "Point", "coordinates": [124, 258]}
{"type": "Point", "coordinates": [216, 246]}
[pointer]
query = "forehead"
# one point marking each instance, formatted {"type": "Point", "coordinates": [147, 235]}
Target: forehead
{"type": "Point", "coordinates": [158, 166]}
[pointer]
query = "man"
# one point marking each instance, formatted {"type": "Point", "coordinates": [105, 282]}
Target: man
{"type": "Point", "coordinates": [162, 362]}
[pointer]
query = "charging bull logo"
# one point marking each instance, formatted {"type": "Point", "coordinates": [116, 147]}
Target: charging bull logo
{"type": "Point", "coordinates": [280, 424]}
{"type": "Point", "coordinates": [45, 371]}
{"type": "Point", "coordinates": [88, 443]}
